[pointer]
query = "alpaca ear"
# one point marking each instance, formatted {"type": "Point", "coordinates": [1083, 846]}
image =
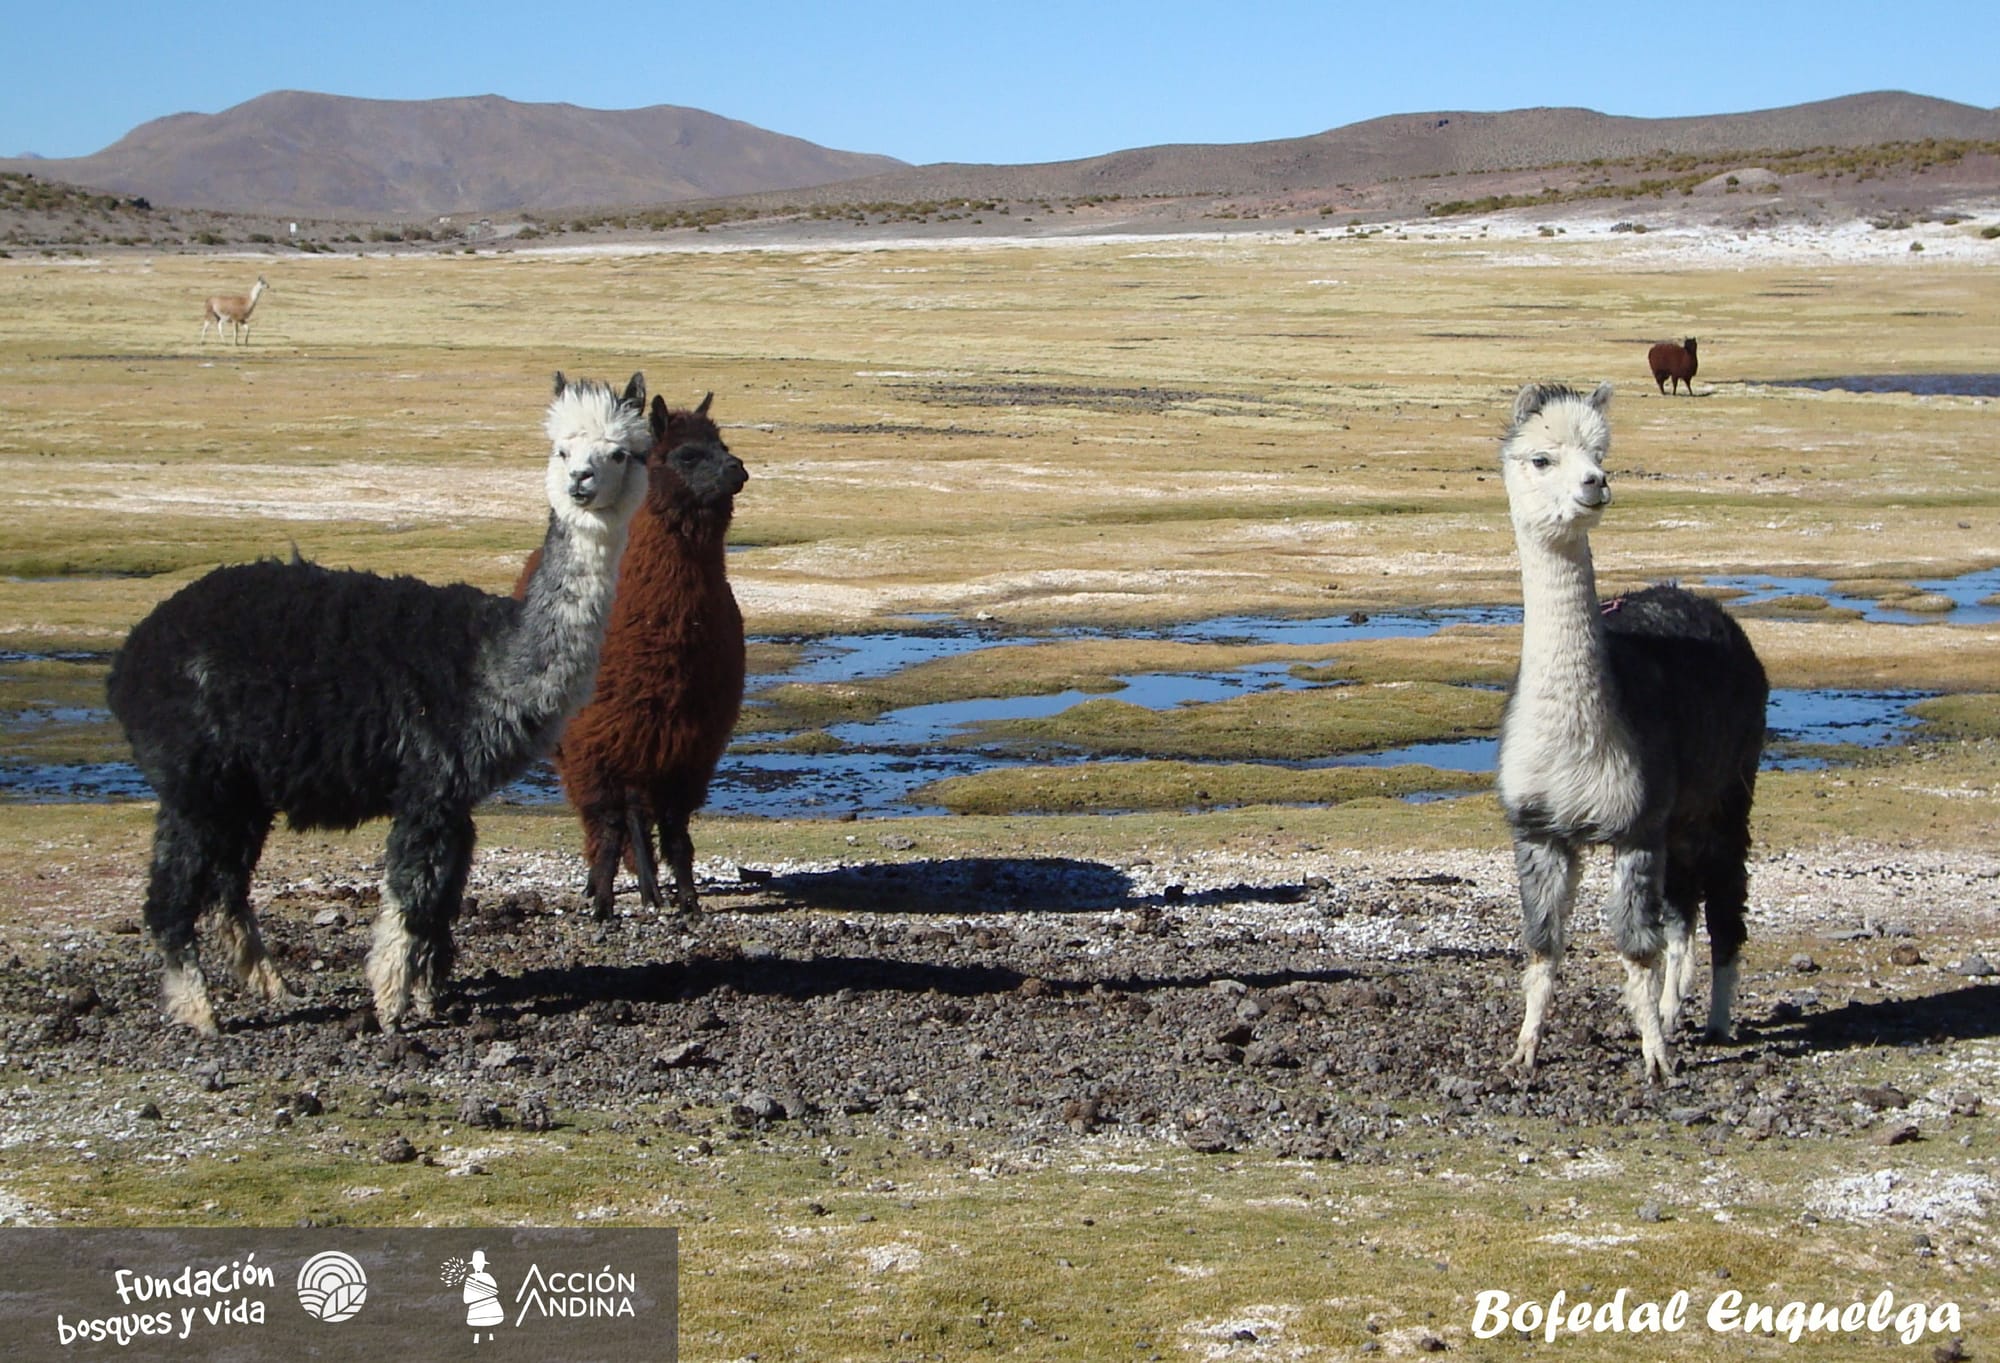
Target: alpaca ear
{"type": "Point", "coordinates": [656, 417]}
{"type": "Point", "coordinates": [561, 383]}
{"type": "Point", "coordinates": [701, 408]}
{"type": "Point", "coordinates": [1600, 399]}
{"type": "Point", "coordinates": [1529, 401]}
{"type": "Point", "coordinates": [635, 393]}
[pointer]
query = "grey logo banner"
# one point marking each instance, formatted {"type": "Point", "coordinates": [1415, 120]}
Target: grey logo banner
{"type": "Point", "coordinates": [342, 1295]}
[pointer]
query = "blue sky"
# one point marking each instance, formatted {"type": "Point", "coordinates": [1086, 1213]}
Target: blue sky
{"type": "Point", "coordinates": [985, 80]}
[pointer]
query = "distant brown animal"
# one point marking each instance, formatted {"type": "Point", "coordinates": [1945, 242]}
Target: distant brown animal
{"type": "Point", "coordinates": [231, 309]}
{"type": "Point", "coordinates": [641, 754]}
{"type": "Point", "coordinates": [1675, 363]}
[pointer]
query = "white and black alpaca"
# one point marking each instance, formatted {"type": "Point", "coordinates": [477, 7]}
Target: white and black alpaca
{"type": "Point", "coordinates": [1636, 724]}
{"type": "Point", "coordinates": [334, 697]}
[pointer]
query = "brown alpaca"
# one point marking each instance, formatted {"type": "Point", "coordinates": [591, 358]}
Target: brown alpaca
{"type": "Point", "coordinates": [1675, 363]}
{"type": "Point", "coordinates": [671, 680]}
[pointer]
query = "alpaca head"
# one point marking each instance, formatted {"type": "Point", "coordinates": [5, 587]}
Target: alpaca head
{"type": "Point", "coordinates": [597, 455]}
{"type": "Point", "coordinates": [1553, 462]}
{"type": "Point", "coordinates": [694, 477]}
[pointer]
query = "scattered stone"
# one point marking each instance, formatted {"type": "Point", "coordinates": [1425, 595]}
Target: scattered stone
{"type": "Point", "coordinates": [1965, 1103]}
{"type": "Point", "coordinates": [1903, 953]}
{"type": "Point", "coordinates": [307, 1104]}
{"type": "Point", "coordinates": [1760, 1123]}
{"type": "Point", "coordinates": [1689, 1116]}
{"type": "Point", "coordinates": [1953, 1352]}
{"type": "Point", "coordinates": [1083, 1114]}
{"type": "Point", "coordinates": [897, 842]}
{"type": "Point", "coordinates": [1210, 1133]}
{"type": "Point", "coordinates": [1652, 1213]}
{"type": "Point", "coordinates": [1458, 1088]}
{"type": "Point", "coordinates": [1804, 964]}
{"type": "Point", "coordinates": [1032, 988]}
{"type": "Point", "coordinates": [1431, 1344]}
{"type": "Point", "coordinates": [1897, 1133]}
{"type": "Point", "coordinates": [481, 1113]}
{"type": "Point", "coordinates": [1239, 1034]}
{"type": "Point", "coordinates": [329, 918]}
{"type": "Point", "coordinates": [535, 1114]}
{"type": "Point", "coordinates": [500, 1055]}
{"type": "Point", "coordinates": [397, 1150]}
{"type": "Point", "coordinates": [1883, 1098]}
{"type": "Point", "coordinates": [686, 1055]}
{"type": "Point", "coordinates": [1975, 967]}
{"type": "Point", "coordinates": [149, 1111]}
{"type": "Point", "coordinates": [1270, 1054]}
{"type": "Point", "coordinates": [758, 1106]}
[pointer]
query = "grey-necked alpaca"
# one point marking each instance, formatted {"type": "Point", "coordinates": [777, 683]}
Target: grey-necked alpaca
{"type": "Point", "coordinates": [1636, 724]}
{"type": "Point", "coordinates": [334, 697]}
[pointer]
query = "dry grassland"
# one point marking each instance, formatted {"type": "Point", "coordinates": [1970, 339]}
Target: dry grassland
{"type": "Point", "coordinates": [1049, 433]}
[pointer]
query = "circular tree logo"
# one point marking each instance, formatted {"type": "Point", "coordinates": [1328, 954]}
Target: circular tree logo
{"type": "Point", "coordinates": [332, 1286]}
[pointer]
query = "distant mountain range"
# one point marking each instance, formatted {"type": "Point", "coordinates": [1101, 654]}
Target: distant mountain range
{"type": "Point", "coordinates": [328, 156]}
{"type": "Point", "coordinates": [1404, 146]}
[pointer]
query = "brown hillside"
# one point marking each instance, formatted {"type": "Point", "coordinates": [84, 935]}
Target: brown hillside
{"type": "Point", "coordinates": [1446, 142]}
{"type": "Point", "coordinates": [316, 155]}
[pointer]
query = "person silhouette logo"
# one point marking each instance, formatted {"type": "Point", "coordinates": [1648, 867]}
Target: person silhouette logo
{"type": "Point", "coordinates": [480, 1290]}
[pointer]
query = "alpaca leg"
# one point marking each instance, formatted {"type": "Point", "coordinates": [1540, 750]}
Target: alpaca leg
{"type": "Point", "coordinates": [678, 849]}
{"type": "Point", "coordinates": [181, 884]}
{"type": "Point", "coordinates": [1727, 895]}
{"type": "Point", "coordinates": [237, 925]}
{"type": "Point", "coordinates": [1548, 873]}
{"type": "Point", "coordinates": [1677, 974]}
{"type": "Point", "coordinates": [604, 834]}
{"type": "Point", "coordinates": [410, 960]}
{"type": "Point", "coordinates": [639, 836]}
{"type": "Point", "coordinates": [1634, 913]}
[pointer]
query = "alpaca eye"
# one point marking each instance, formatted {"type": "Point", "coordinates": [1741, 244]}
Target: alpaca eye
{"type": "Point", "coordinates": [1540, 461]}
{"type": "Point", "coordinates": [618, 456]}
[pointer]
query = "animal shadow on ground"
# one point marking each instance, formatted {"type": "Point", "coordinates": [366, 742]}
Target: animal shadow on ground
{"type": "Point", "coordinates": [996, 885]}
{"type": "Point", "coordinates": [1971, 1013]}
{"type": "Point", "coordinates": [975, 886]}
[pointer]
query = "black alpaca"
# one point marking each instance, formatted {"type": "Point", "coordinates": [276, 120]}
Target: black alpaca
{"type": "Point", "coordinates": [335, 697]}
{"type": "Point", "coordinates": [1635, 724]}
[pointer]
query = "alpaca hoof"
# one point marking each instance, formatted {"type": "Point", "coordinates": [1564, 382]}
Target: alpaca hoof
{"type": "Point", "coordinates": [1522, 1063]}
{"type": "Point", "coordinates": [197, 1016]}
{"type": "Point", "coordinates": [267, 984]}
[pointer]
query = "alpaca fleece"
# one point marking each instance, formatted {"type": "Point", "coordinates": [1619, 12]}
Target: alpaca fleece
{"type": "Point", "coordinates": [1636, 724]}
{"type": "Point", "coordinates": [641, 755]}
{"type": "Point", "coordinates": [1675, 364]}
{"type": "Point", "coordinates": [333, 697]}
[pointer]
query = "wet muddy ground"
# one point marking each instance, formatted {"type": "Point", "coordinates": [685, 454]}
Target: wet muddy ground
{"type": "Point", "coordinates": [1311, 1004]}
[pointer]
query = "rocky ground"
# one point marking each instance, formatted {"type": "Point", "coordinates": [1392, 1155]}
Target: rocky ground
{"type": "Point", "coordinates": [1309, 1004]}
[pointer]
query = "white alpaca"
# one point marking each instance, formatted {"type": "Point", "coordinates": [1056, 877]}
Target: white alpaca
{"type": "Point", "coordinates": [232, 309]}
{"type": "Point", "coordinates": [1635, 724]}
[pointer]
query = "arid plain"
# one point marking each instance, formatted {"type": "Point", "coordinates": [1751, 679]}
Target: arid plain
{"type": "Point", "coordinates": [1113, 433]}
